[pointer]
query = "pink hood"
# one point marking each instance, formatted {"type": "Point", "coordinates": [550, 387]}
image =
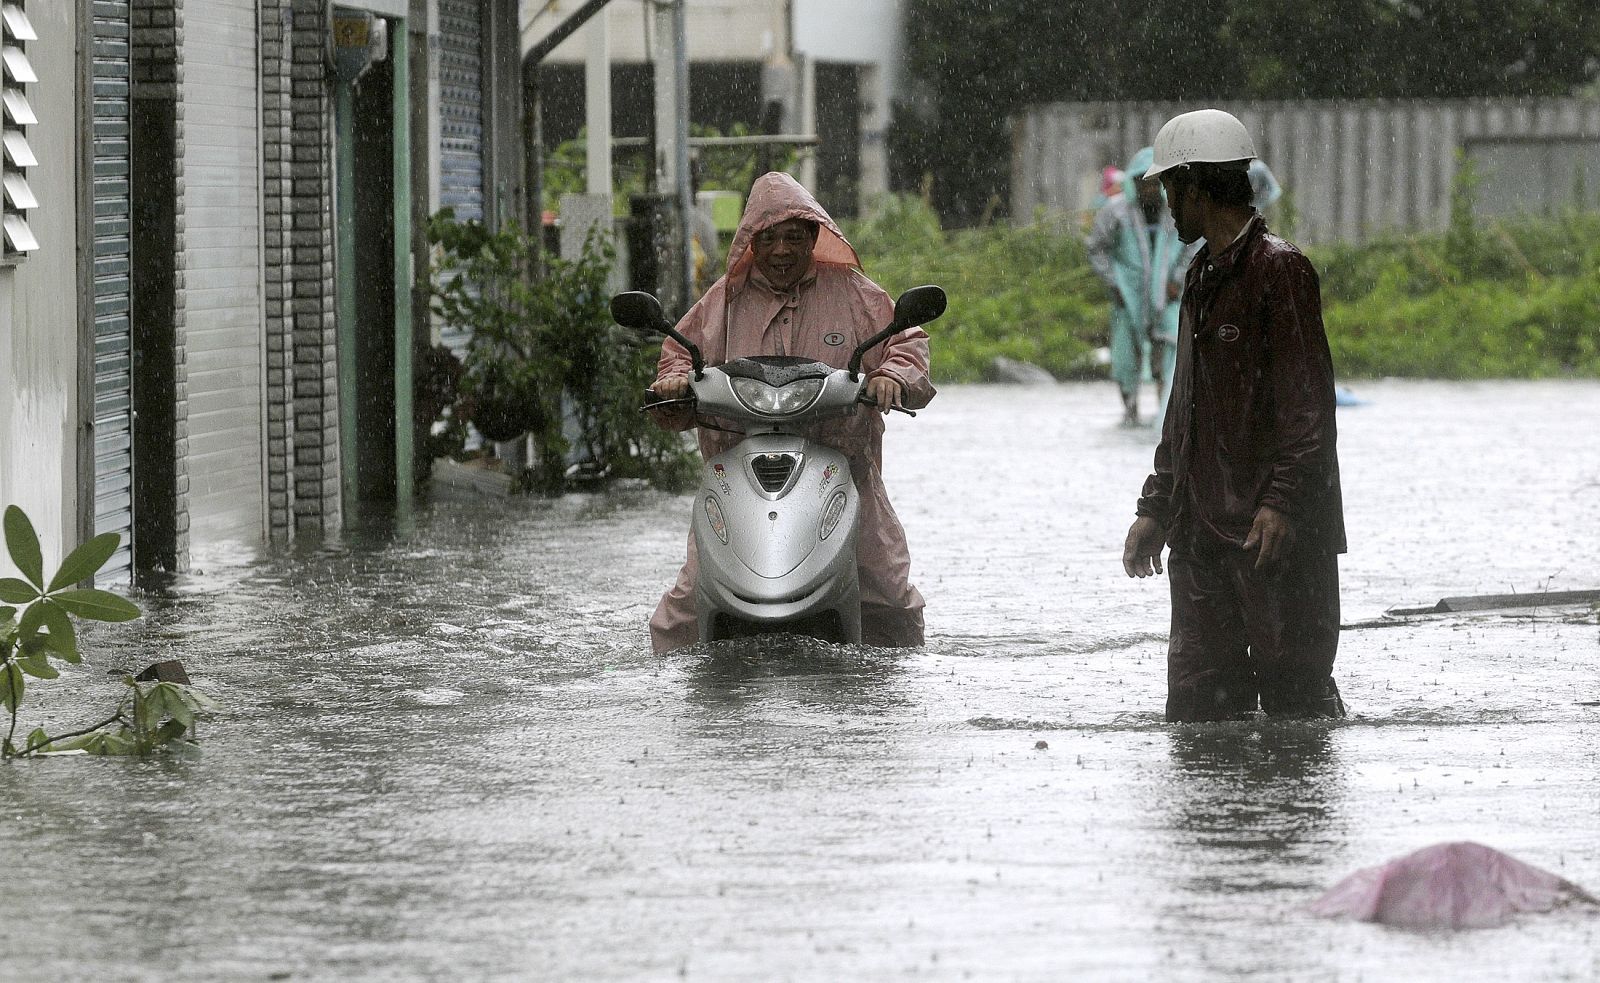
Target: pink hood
{"type": "Point", "coordinates": [777, 197]}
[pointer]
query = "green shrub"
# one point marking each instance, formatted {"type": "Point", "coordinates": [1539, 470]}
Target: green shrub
{"type": "Point", "coordinates": [151, 716]}
{"type": "Point", "coordinates": [1504, 299]}
{"type": "Point", "coordinates": [1025, 293]}
{"type": "Point", "coordinates": [544, 349]}
{"type": "Point", "coordinates": [1487, 299]}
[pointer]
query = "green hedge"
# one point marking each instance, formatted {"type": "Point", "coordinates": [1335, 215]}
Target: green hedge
{"type": "Point", "coordinates": [1025, 293]}
{"type": "Point", "coordinates": [1483, 300]}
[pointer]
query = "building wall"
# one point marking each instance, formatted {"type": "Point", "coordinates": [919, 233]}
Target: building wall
{"type": "Point", "coordinates": [223, 272]}
{"type": "Point", "coordinates": [861, 33]}
{"type": "Point", "coordinates": [718, 30]}
{"type": "Point", "coordinates": [40, 420]}
{"type": "Point", "coordinates": [47, 348]}
{"type": "Point", "coordinates": [1350, 169]}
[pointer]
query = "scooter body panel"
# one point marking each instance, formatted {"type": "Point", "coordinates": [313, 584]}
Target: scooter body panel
{"type": "Point", "coordinates": [771, 564]}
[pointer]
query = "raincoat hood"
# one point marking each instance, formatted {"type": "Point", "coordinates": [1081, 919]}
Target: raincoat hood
{"type": "Point", "coordinates": [1111, 180]}
{"type": "Point", "coordinates": [1135, 170]}
{"type": "Point", "coordinates": [777, 197]}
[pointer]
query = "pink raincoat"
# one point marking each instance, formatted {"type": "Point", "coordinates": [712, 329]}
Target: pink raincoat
{"type": "Point", "coordinates": [1447, 885]}
{"type": "Point", "coordinates": [832, 309]}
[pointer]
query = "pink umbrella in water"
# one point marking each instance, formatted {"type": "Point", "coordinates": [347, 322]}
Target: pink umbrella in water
{"type": "Point", "coordinates": [1447, 885]}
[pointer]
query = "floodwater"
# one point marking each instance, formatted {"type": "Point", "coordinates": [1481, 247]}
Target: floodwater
{"type": "Point", "coordinates": [450, 755]}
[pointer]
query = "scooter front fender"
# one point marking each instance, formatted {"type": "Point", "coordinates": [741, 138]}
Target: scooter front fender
{"type": "Point", "coordinates": [770, 561]}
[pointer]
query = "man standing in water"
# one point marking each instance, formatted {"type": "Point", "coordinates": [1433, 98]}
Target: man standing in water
{"type": "Point", "coordinates": [1246, 482]}
{"type": "Point", "coordinates": [1134, 250]}
{"type": "Point", "coordinates": [794, 287]}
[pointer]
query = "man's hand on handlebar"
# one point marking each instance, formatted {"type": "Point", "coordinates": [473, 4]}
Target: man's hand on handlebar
{"type": "Point", "coordinates": [672, 386]}
{"type": "Point", "coordinates": [884, 392]}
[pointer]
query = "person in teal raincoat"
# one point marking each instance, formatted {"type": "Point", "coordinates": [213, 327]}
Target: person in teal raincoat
{"type": "Point", "coordinates": [1133, 247]}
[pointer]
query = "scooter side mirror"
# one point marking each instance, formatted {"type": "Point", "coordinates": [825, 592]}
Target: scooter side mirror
{"type": "Point", "coordinates": [637, 310]}
{"type": "Point", "coordinates": [641, 311]}
{"type": "Point", "coordinates": [919, 305]}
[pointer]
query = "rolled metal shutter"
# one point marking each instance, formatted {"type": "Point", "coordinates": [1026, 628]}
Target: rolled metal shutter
{"type": "Point", "coordinates": [113, 378]}
{"type": "Point", "coordinates": [222, 273]}
{"type": "Point", "coordinates": [460, 122]}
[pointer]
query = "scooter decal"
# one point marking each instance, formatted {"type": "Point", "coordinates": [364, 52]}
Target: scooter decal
{"type": "Point", "coordinates": [722, 478]}
{"type": "Point", "coordinates": [827, 476]}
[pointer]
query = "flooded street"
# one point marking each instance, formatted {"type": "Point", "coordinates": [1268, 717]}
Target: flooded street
{"type": "Point", "coordinates": [450, 755]}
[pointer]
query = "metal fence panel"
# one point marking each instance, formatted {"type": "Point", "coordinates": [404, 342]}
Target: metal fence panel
{"type": "Point", "coordinates": [1349, 169]}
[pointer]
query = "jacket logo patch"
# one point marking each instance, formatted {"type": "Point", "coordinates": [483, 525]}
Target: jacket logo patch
{"type": "Point", "coordinates": [833, 338]}
{"type": "Point", "coordinates": [1228, 332]}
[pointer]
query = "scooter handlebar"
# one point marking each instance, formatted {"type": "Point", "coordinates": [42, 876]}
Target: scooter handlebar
{"type": "Point", "coordinates": [653, 402]}
{"type": "Point", "coordinates": [869, 401]}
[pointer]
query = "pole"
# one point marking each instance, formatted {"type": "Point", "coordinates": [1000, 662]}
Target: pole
{"type": "Point", "coordinates": [597, 107]}
{"type": "Point", "coordinates": [404, 380]}
{"type": "Point", "coordinates": [681, 187]}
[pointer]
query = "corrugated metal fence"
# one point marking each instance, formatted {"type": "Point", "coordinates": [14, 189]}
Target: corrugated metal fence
{"type": "Point", "coordinates": [1348, 169]}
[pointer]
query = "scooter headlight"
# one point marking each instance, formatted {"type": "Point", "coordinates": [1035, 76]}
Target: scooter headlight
{"type": "Point", "coordinates": [831, 514]}
{"type": "Point", "coordinates": [714, 516]}
{"type": "Point", "coordinates": [777, 400]}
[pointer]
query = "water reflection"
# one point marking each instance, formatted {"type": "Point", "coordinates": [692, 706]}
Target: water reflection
{"type": "Point", "coordinates": [1251, 802]}
{"type": "Point", "coordinates": [799, 676]}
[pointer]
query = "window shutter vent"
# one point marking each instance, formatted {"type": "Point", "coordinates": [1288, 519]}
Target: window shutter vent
{"type": "Point", "coordinates": [16, 73]}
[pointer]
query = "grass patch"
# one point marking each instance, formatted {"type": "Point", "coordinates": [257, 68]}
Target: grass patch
{"type": "Point", "coordinates": [1502, 299]}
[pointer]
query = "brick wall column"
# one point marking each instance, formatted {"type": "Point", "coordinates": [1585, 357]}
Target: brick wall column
{"type": "Point", "coordinates": [277, 196]}
{"type": "Point", "coordinates": [308, 286]}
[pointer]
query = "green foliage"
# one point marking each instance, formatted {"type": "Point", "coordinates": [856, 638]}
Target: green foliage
{"type": "Point", "coordinates": [1397, 306]}
{"type": "Point", "coordinates": [151, 717]}
{"type": "Point", "coordinates": [1516, 299]}
{"type": "Point", "coordinates": [542, 345]}
{"type": "Point", "coordinates": [718, 168]}
{"type": "Point", "coordinates": [1025, 293]}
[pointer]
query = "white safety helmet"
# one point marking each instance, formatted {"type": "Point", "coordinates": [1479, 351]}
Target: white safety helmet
{"type": "Point", "coordinates": [1208, 135]}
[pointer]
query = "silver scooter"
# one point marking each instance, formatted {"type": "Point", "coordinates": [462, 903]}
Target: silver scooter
{"type": "Point", "coordinates": [776, 517]}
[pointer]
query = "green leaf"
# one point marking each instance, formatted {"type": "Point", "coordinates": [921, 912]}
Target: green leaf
{"type": "Point", "coordinates": [63, 637]}
{"type": "Point", "coordinates": [82, 562]}
{"type": "Point", "coordinates": [14, 591]}
{"type": "Point", "coordinates": [96, 605]}
{"type": "Point", "coordinates": [11, 686]}
{"type": "Point", "coordinates": [32, 621]}
{"type": "Point", "coordinates": [120, 743]}
{"type": "Point", "coordinates": [7, 613]}
{"type": "Point", "coordinates": [83, 742]}
{"type": "Point", "coordinates": [149, 707]}
{"type": "Point", "coordinates": [23, 544]}
{"type": "Point", "coordinates": [37, 665]}
{"type": "Point", "coordinates": [179, 709]}
{"type": "Point", "coordinates": [170, 731]}
{"type": "Point", "coordinates": [195, 700]}
{"type": "Point", "coordinates": [37, 739]}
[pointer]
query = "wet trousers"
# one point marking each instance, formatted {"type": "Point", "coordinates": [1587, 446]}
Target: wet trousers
{"type": "Point", "coordinates": [1243, 637]}
{"type": "Point", "coordinates": [1130, 351]}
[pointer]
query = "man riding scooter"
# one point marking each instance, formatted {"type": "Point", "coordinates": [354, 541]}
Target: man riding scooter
{"type": "Point", "coordinates": [794, 287]}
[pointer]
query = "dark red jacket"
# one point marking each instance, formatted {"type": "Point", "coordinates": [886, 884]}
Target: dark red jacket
{"type": "Point", "coordinates": [1251, 417]}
